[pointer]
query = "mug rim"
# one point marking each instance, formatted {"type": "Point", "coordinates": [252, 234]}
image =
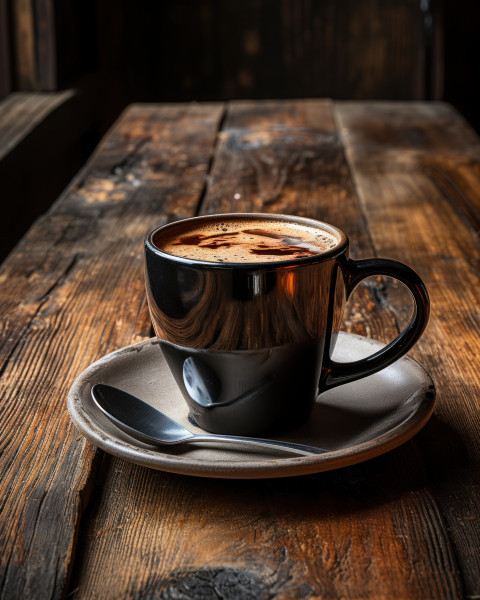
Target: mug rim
{"type": "Point", "coordinates": [339, 248]}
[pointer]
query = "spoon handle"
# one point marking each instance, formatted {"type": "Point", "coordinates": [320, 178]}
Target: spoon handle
{"type": "Point", "coordinates": [301, 449]}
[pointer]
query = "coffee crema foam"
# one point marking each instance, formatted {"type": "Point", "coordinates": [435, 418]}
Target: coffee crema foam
{"type": "Point", "coordinates": [245, 240]}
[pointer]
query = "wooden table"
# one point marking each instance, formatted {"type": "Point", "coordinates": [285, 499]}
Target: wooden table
{"type": "Point", "coordinates": [403, 181]}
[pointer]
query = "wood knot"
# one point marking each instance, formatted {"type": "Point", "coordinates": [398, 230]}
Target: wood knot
{"type": "Point", "coordinates": [225, 583]}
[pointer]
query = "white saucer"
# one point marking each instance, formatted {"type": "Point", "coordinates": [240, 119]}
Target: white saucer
{"type": "Point", "coordinates": [353, 422]}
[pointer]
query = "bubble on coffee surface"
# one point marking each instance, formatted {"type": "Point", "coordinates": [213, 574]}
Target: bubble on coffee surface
{"type": "Point", "coordinates": [246, 240]}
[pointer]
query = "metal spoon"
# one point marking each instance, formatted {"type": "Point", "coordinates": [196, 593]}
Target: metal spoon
{"type": "Point", "coordinates": [147, 424]}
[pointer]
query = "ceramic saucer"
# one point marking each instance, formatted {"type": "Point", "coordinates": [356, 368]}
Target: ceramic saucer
{"type": "Point", "coordinates": [353, 422]}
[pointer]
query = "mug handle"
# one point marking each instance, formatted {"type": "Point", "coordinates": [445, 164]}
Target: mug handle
{"type": "Point", "coordinates": [355, 271]}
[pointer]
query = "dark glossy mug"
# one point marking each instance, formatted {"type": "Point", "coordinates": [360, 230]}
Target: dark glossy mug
{"type": "Point", "coordinates": [250, 344]}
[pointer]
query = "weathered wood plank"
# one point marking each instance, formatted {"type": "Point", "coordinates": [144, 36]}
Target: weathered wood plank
{"type": "Point", "coordinates": [33, 38]}
{"type": "Point", "coordinates": [423, 207]}
{"type": "Point", "coordinates": [72, 291]}
{"type": "Point", "coordinates": [272, 49]}
{"type": "Point", "coordinates": [5, 52]}
{"type": "Point", "coordinates": [21, 112]}
{"type": "Point", "coordinates": [311, 537]}
{"type": "Point", "coordinates": [26, 75]}
{"type": "Point", "coordinates": [46, 51]}
{"type": "Point", "coordinates": [33, 172]}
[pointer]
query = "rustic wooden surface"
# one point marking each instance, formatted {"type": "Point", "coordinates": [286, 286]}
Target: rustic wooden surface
{"type": "Point", "coordinates": [21, 113]}
{"type": "Point", "coordinates": [359, 49]}
{"type": "Point", "coordinates": [5, 82]}
{"type": "Point", "coordinates": [403, 181]}
{"type": "Point", "coordinates": [32, 32]}
{"type": "Point", "coordinates": [44, 139]}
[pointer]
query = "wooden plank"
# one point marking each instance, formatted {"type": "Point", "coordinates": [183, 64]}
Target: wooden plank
{"type": "Point", "coordinates": [310, 537]}
{"type": "Point", "coordinates": [25, 71]}
{"type": "Point", "coordinates": [33, 172]}
{"type": "Point", "coordinates": [269, 49]}
{"type": "Point", "coordinates": [77, 45]}
{"type": "Point", "coordinates": [34, 59]}
{"type": "Point", "coordinates": [46, 50]}
{"type": "Point", "coordinates": [5, 54]}
{"type": "Point", "coordinates": [379, 55]}
{"type": "Point", "coordinates": [434, 24]}
{"type": "Point", "coordinates": [56, 320]}
{"type": "Point", "coordinates": [22, 112]}
{"type": "Point", "coordinates": [423, 207]}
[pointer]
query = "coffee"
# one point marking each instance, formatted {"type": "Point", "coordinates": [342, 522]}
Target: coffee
{"type": "Point", "coordinates": [251, 240]}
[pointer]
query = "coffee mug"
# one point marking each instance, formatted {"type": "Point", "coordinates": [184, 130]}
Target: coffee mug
{"type": "Point", "coordinates": [247, 309]}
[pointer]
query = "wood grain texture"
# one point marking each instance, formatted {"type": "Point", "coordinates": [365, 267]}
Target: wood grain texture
{"type": "Point", "coordinates": [402, 181]}
{"type": "Point", "coordinates": [46, 49]}
{"type": "Point", "coordinates": [72, 291]}
{"type": "Point", "coordinates": [310, 537]}
{"type": "Point", "coordinates": [5, 52]}
{"type": "Point", "coordinates": [33, 61]}
{"type": "Point", "coordinates": [21, 112]}
{"type": "Point", "coordinates": [24, 40]}
{"type": "Point", "coordinates": [150, 534]}
{"type": "Point", "coordinates": [422, 207]}
{"type": "Point", "coordinates": [67, 121]}
{"type": "Point", "coordinates": [268, 49]}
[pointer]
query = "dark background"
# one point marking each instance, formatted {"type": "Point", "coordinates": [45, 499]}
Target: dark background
{"type": "Point", "coordinates": [113, 52]}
